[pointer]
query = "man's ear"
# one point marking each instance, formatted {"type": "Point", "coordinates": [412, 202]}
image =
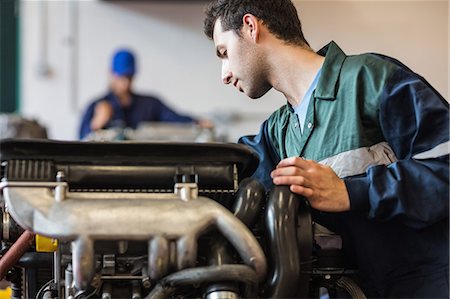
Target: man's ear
{"type": "Point", "coordinates": [251, 27]}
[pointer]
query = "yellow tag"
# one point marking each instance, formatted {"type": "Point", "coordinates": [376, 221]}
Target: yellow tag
{"type": "Point", "coordinates": [44, 244]}
{"type": "Point", "coordinates": [6, 293]}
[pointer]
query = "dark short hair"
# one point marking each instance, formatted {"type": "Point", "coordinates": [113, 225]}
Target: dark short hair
{"type": "Point", "coordinates": [280, 17]}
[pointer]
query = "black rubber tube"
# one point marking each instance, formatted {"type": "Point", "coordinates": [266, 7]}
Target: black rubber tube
{"type": "Point", "coordinates": [169, 284]}
{"type": "Point", "coordinates": [281, 225]}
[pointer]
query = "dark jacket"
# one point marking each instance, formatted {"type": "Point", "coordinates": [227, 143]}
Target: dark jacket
{"type": "Point", "coordinates": [385, 131]}
{"type": "Point", "coordinates": [142, 109]}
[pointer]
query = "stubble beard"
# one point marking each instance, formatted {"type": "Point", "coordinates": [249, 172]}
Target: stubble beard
{"type": "Point", "coordinates": [259, 85]}
{"type": "Point", "coordinates": [257, 72]}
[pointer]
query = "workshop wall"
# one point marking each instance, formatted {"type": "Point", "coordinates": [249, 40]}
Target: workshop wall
{"type": "Point", "coordinates": [66, 48]}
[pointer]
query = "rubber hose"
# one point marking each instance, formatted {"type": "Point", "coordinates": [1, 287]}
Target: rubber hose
{"type": "Point", "coordinates": [15, 252]}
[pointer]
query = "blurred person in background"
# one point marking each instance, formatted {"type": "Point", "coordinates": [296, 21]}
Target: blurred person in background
{"type": "Point", "coordinates": [121, 107]}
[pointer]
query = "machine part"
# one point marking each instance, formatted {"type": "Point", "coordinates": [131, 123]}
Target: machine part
{"type": "Point", "coordinates": [135, 290]}
{"type": "Point", "coordinates": [122, 247]}
{"type": "Point", "coordinates": [281, 223]}
{"type": "Point", "coordinates": [37, 268]}
{"type": "Point", "coordinates": [249, 200]}
{"type": "Point", "coordinates": [196, 276]}
{"type": "Point", "coordinates": [222, 295]}
{"type": "Point", "coordinates": [6, 225]}
{"type": "Point", "coordinates": [68, 280]}
{"type": "Point", "coordinates": [35, 260]}
{"type": "Point", "coordinates": [107, 291]}
{"type": "Point", "coordinates": [186, 186]}
{"type": "Point", "coordinates": [351, 287]}
{"type": "Point", "coordinates": [60, 190]}
{"type": "Point", "coordinates": [44, 244]}
{"type": "Point", "coordinates": [305, 238]}
{"type": "Point", "coordinates": [247, 206]}
{"type": "Point", "coordinates": [222, 291]}
{"type": "Point", "coordinates": [83, 262]}
{"type": "Point", "coordinates": [146, 283]}
{"type": "Point", "coordinates": [158, 258]}
{"type": "Point", "coordinates": [10, 231]}
{"type": "Point", "coordinates": [82, 217]}
{"type": "Point", "coordinates": [109, 264]}
{"type": "Point", "coordinates": [95, 165]}
{"type": "Point", "coordinates": [15, 252]}
{"type": "Point", "coordinates": [44, 291]}
{"type": "Point", "coordinates": [186, 191]}
{"type": "Point", "coordinates": [28, 184]}
{"type": "Point", "coordinates": [57, 270]}
{"type": "Point", "coordinates": [15, 277]}
{"type": "Point", "coordinates": [29, 170]}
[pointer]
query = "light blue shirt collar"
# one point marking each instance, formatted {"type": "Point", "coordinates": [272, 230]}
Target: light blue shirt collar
{"type": "Point", "coordinates": [302, 108]}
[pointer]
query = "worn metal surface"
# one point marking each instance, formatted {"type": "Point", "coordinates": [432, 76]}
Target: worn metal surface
{"type": "Point", "coordinates": [86, 217]}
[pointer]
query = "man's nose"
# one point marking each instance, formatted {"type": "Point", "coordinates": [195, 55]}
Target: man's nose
{"type": "Point", "coordinates": [226, 74]}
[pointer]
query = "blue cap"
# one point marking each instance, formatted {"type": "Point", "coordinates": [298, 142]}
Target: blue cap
{"type": "Point", "coordinates": [123, 63]}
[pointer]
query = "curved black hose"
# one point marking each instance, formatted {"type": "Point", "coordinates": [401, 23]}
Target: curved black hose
{"type": "Point", "coordinates": [247, 206]}
{"type": "Point", "coordinates": [169, 284]}
{"type": "Point", "coordinates": [249, 199]}
{"type": "Point", "coordinates": [282, 222]}
{"type": "Point", "coordinates": [351, 287]}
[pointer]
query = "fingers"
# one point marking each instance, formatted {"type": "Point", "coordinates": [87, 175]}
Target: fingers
{"type": "Point", "coordinates": [318, 183]}
{"type": "Point", "coordinates": [292, 172]}
{"type": "Point", "coordinates": [294, 166]}
{"type": "Point", "coordinates": [293, 161]}
{"type": "Point", "coordinates": [290, 180]}
{"type": "Point", "coordinates": [306, 192]}
{"type": "Point", "coordinates": [285, 171]}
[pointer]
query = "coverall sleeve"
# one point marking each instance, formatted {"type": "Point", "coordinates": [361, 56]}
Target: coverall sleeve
{"type": "Point", "coordinates": [268, 158]}
{"type": "Point", "coordinates": [414, 119]}
{"type": "Point", "coordinates": [169, 115]}
{"type": "Point", "coordinates": [85, 127]}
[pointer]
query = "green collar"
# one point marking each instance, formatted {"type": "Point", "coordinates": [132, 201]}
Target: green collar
{"type": "Point", "coordinates": [331, 69]}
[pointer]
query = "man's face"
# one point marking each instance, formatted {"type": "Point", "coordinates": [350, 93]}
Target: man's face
{"type": "Point", "coordinates": [243, 64]}
{"type": "Point", "coordinates": [121, 85]}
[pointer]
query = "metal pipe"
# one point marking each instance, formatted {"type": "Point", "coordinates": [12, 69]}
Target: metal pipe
{"type": "Point", "coordinates": [158, 257]}
{"type": "Point", "coordinates": [68, 280]}
{"type": "Point", "coordinates": [157, 213]}
{"type": "Point", "coordinates": [83, 262]}
{"type": "Point", "coordinates": [57, 269]}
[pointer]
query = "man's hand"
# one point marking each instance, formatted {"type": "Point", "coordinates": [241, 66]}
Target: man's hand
{"type": "Point", "coordinates": [205, 124]}
{"type": "Point", "coordinates": [102, 115]}
{"type": "Point", "coordinates": [324, 190]}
